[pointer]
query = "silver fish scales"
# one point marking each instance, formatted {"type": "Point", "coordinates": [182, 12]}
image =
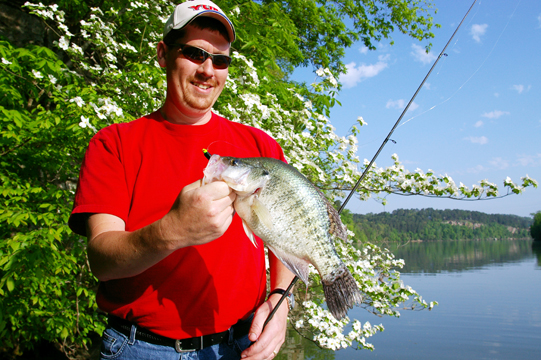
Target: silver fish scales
{"type": "Point", "coordinates": [294, 219]}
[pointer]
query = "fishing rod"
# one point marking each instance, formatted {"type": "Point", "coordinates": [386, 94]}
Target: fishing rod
{"type": "Point", "coordinates": [363, 175]}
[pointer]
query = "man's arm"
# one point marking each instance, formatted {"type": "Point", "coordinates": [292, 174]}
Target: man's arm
{"type": "Point", "coordinates": [271, 338]}
{"type": "Point", "coordinates": [199, 215]}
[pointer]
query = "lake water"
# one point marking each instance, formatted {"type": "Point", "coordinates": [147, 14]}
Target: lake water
{"type": "Point", "coordinates": [489, 295]}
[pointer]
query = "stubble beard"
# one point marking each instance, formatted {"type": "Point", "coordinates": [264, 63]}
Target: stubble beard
{"type": "Point", "coordinates": [199, 101]}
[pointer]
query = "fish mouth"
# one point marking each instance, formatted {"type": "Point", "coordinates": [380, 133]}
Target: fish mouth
{"type": "Point", "coordinates": [236, 177]}
{"type": "Point", "coordinates": [239, 182]}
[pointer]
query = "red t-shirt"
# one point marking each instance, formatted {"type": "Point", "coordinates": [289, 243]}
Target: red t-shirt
{"type": "Point", "coordinates": [135, 171]}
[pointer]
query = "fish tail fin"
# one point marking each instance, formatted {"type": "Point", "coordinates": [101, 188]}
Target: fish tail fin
{"type": "Point", "coordinates": [341, 292]}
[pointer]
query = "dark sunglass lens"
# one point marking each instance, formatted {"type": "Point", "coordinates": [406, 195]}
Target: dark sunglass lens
{"type": "Point", "coordinates": [221, 61]}
{"type": "Point", "coordinates": [199, 56]}
{"type": "Point", "coordinates": [195, 54]}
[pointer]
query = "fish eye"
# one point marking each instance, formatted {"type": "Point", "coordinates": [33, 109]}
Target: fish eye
{"type": "Point", "coordinates": [234, 162]}
{"type": "Point", "coordinates": [265, 173]}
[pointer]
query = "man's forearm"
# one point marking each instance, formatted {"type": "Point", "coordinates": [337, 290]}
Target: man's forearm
{"type": "Point", "coordinates": [116, 253]}
{"type": "Point", "coordinates": [199, 215]}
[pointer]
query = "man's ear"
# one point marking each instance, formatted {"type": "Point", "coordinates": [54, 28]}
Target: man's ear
{"type": "Point", "coordinates": [161, 52]}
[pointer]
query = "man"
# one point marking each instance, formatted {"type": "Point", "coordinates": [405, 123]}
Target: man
{"type": "Point", "coordinates": [178, 276]}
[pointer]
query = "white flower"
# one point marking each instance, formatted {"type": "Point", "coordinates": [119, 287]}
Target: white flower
{"type": "Point", "coordinates": [333, 81]}
{"type": "Point", "coordinates": [80, 102]}
{"type": "Point", "coordinates": [52, 79]}
{"type": "Point", "coordinates": [4, 61]}
{"type": "Point", "coordinates": [110, 57]}
{"type": "Point", "coordinates": [77, 49]}
{"type": "Point", "coordinates": [63, 43]}
{"type": "Point", "coordinates": [37, 74]}
{"type": "Point", "coordinates": [86, 123]}
{"type": "Point", "coordinates": [320, 72]}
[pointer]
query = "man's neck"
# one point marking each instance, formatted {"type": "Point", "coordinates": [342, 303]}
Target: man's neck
{"type": "Point", "coordinates": [173, 115]}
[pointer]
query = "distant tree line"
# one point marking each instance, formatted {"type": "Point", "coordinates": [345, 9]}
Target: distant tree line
{"type": "Point", "coordinates": [431, 224]}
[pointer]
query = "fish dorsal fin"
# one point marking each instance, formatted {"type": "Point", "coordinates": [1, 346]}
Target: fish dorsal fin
{"type": "Point", "coordinates": [336, 228]}
{"type": "Point", "coordinates": [262, 213]}
{"type": "Point", "coordinates": [294, 264]}
{"type": "Point", "coordinates": [249, 233]}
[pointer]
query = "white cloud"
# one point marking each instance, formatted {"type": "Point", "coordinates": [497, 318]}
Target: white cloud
{"type": "Point", "coordinates": [499, 163]}
{"type": "Point", "coordinates": [478, 124]}
{"type": "Point", "coordinates": [477, 169]}
{"type": "Point", "coordinates": [478, 30]}
{"type": "Point", "coordinates": [495, 114]}
{"type": "Point", "coordinates": [427, 86]}
{"type": "Point", "coordinates": [363, 50]}
{"type": "Point", "coordinates": [355, 74]}
{"type": "Point", "coordinates": [529, 160]}
{"type": "Point", "coordinates": [481, 140]}
{"type": "Point", "coordinates": [419, 53]}
{"type": "Point", "coordinates": [539, 19]}
{"type": "Point", "coordinates": [400, 104]}
{"type": "Point", "coordinates": [396, 104]}
{"type": "Point", "coordinates": [520, 88]}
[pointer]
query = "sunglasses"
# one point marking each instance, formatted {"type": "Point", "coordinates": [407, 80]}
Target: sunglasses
{"type": "Point", "coordinates": [199, 56]}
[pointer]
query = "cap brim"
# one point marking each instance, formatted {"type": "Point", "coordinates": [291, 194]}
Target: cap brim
{"type": "Point", "coordinates": [218, 16]}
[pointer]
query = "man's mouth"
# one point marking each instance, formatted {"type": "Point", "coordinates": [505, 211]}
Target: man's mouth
{"type": "Point", "coordinates": [202, 86]}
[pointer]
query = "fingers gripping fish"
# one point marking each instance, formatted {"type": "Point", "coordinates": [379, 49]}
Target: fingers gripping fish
{"type": "Point", "coordinates": [294, 219]}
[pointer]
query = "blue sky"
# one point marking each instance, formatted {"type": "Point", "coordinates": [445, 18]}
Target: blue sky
{"type": "Point", "coordinates": [477, 117]}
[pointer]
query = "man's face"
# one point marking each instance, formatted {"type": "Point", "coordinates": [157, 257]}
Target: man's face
{"type": "Point", "coordinates": [193, 88]}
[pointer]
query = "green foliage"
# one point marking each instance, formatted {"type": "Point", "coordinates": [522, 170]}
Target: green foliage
{"type": "Point", "coordinates": [535, 229]}
{"type": "Point", "coordinates": [46, 287]}
{"type": "Point", "coordinates": [430, 224]}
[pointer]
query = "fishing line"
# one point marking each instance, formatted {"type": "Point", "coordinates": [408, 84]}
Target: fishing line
{"type": "Point", "coordinates": [474, 73]}
{"type": "Point", "coordinates": [458, 38]}
{"type": "Point", "coordinates": [403, 113]}
{"type": "Point", "coordinates": [295, 279]}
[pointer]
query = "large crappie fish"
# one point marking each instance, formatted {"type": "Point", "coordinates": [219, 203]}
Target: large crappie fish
{"type": "Point", "coordinates": [293, 218]}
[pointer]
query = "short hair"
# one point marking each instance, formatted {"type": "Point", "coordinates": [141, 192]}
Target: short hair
{"type": "Point", "coordinates": [202, 23]}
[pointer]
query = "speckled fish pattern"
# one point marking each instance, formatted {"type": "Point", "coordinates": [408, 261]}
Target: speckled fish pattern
{"type": "Point", "coordinates": [294, 219]}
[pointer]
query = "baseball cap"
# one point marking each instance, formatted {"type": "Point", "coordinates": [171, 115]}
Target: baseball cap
{"type": "Point", "coordinates": [187, 11]}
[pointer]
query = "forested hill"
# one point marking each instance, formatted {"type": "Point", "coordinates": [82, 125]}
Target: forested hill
{"type": "Point", "coordinates": [430, 224]}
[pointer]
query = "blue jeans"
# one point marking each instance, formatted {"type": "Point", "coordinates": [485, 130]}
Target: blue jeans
{"type": "Point", "coordinates": [119, 346]}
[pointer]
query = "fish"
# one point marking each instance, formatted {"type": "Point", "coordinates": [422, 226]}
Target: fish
{"type": "Point", "coordinates": [293, 218]}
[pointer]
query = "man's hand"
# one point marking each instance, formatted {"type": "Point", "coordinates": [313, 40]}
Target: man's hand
{"type": "Point", "coordinates": [267, 342]}
{"type": "Point", "coordinates": [199, 215]}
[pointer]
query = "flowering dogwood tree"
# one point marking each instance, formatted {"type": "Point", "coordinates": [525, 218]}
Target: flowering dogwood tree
{"type": "Point", "coordinates": [101, 69]}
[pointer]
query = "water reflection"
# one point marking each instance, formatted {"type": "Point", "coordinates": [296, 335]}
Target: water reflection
{"type": "Point", "coordinates": [536, 248]}
{"type": "Point", "coordinates": [439, 258]}
{"type": "Point", "coordinates": [453, 256]}
{"type": "Point", "coordinates": [297, 347]}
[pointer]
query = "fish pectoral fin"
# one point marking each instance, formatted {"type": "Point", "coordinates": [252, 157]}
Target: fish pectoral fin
{"type": "Point", "coordinates": [296, 265]}
{"type": "Point", "coordinates": [249, 233]}
{"type": "Point", "coordinates": [262, 213]}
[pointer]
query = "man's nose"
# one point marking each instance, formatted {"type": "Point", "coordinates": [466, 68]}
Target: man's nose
{"type": "Point", "coordinates": [206, 68]}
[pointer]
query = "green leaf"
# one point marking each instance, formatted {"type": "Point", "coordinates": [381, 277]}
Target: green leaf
{"type": "Point", "coordinates": [10, 284]}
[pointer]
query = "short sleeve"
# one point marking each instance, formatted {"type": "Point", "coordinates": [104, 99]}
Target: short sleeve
{"type": "Point", "coordinates": [102, 186]}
